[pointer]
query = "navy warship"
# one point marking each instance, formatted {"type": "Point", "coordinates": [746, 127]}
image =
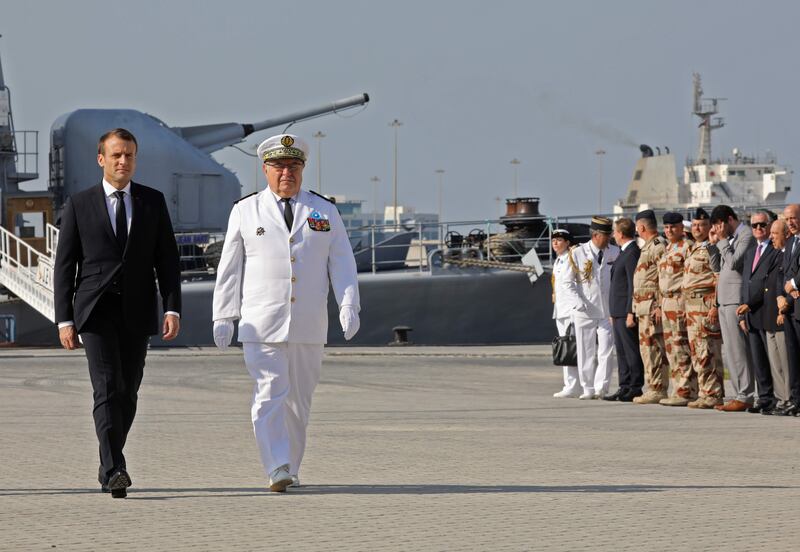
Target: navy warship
{"type": "Point", "coordinates": [480, 282]}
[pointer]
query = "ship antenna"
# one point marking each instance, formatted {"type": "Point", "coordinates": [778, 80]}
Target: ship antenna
{"type": "Point", "coordinates": [705, 109]}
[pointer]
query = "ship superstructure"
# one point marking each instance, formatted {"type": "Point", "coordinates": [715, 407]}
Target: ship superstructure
{"type": "Point", "coordinates": [738, 180]}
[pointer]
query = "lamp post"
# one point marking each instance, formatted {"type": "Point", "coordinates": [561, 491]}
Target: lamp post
{"type": "Point", "coordinates": [515, 163]}
{"type": "Point", "coordinates": [440, 173]}
{"type": "Point", "coordinates": [600, 153]}
{"type": "Point", "coordinates": [319, 135]}
{"type": "Point", "coordinates": [395, 124]}
{"type": "Point", "coordinates": [374, 181]}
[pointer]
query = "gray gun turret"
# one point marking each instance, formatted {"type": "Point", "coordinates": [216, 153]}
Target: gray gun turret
{"type": "Point", "coordinates": [174, 160]}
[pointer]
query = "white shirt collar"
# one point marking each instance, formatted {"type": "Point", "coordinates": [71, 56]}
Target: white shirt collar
{"type": "Point", "coordinates": [109, 189]}
{"type": "Point", "coordinates": [624, 246]}
{"type": "Point", "coordinates": [278, 198]}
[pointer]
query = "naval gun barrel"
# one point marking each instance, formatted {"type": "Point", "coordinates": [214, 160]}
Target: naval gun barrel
{"type": "Point", "coordinates": [210, 138]}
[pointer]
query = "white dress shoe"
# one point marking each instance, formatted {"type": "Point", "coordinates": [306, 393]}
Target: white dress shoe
{"type": "Point", "coordinates": [587, 396]}
{"type": "Point", "coordinates": [279, 479]}
{"type": "Point", "coordinates": [599, 395]}
{"type": "Point", "coordinates": [565, 395]}
{"type": "Point", "coordinates": [295, 481]}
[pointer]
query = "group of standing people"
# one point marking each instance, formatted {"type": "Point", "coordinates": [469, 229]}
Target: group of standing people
{"type": "Point", "coordinates": [283, 249]}
{"type": "Point", "coordinates": [676, 309]}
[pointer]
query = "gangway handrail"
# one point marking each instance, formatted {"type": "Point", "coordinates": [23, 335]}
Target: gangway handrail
{"type": "Point", "coordinates": [27, 272]}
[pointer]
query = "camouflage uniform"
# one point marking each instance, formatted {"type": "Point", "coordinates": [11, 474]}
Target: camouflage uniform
{"type": "Point", "coordinates": [676, 340]}
{"type": "Point", "coordinates": [646, 297]}
{"type": "Point", "coordinates": [705, 340]}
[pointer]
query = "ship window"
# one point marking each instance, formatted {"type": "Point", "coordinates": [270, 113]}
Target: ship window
{"type": "Point", "coordinates": [637, 175]}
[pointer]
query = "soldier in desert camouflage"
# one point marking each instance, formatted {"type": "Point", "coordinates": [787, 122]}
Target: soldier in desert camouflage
{"type": "Point", "coordinates": [702, 321]}
{"type": "Point", "coordinates": [646, 299]}
{"type": "Point", "coordinates": [673, 316]}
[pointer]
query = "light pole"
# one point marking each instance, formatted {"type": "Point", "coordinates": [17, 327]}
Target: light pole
{"type": "Point", "coordinates": [395, 124]}
{"type": "Point", "coordinates": [319, 135]}
{"type": "Point", "coordinates": [515, 163]}
{"type": "Point", "coordinates": [374, 181]}
{"type": "Point", "coordinates": [440, 173]}
{"type": "Point", "coordinates": [600, 153]}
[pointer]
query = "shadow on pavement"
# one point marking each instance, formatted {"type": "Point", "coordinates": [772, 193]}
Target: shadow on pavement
{"type": "Point", "coordinates": [431, 489]}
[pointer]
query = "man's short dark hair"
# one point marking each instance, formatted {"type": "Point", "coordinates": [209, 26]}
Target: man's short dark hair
{"type": "Point", "coordinates": [721, 213]}
{"type": "Point", "coordinates": [121, 133]}
{"type": "Point", "coordinates": [626, 227]}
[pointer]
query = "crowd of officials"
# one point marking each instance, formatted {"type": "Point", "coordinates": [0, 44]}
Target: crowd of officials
{"type": "Point", "coordinates": [680, 310]}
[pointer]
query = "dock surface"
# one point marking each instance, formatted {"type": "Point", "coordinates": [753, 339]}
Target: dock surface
{"type": "Point", "coordinates": [429, 448]}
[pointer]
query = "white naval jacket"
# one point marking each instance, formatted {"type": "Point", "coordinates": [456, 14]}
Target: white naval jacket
{"type": "Point", "coordinates": [276, 281]}
{"type": "Point", "coordinates": [563, 301]}
{"type": "Point", "coordinates": [589, 289]}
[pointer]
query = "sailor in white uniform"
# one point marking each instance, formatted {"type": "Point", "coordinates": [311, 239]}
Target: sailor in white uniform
{"type": "Point", "coordinates": [588, 285]}
{"type": "Point", "coordinates": [283, 249]}
{"type": "Point", "coordinates": [563, 305]}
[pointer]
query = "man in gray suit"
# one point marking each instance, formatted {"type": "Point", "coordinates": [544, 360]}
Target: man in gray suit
{"type": "Point", "coordinates": [735, 241]}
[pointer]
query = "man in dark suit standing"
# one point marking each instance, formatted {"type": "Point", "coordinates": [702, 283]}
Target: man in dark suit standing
{"type": "Point", "coordinates": [115, 240]}
{"type": "Point", "coordinates": [790, 308]}
{"type": "Point", "coordinates": [626, 331]}
{"type": "Point", "coordinates": [758, 262]}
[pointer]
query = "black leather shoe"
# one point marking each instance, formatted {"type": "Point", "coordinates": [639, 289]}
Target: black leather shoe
{"type": "Point", "coordinates": [118, 483]}
{"type": "Point", "coordinates": [616, 396]}
{"type": "Point", "coordinates": [789, 408]}
{"type": "Point", "coordinates": [630, 395]}
{"type": "Point", "coordinates": [763, 405]}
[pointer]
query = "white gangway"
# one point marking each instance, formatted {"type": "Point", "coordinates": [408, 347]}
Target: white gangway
{"type": "Point", "coordinates": [27, 272]}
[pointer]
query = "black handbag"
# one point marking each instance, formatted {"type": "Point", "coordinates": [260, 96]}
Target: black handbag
{"type": "Point", "coordinates": [565, 349]}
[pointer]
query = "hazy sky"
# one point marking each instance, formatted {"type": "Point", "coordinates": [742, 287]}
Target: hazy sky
{"type": "Point", "coordinates": [475, 84]}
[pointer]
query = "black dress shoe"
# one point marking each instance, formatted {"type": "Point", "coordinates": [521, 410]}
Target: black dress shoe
{"type": "Point", "coordinates": [616, 396]}
{"type": "Point", "coordinates": [118, 483]}
{"type": "Point", "coordinates": [630, 395]}
{"type": "Point", "coordinates": [763, 405]}
{"type": "Point", "coordinates": [789, 408]}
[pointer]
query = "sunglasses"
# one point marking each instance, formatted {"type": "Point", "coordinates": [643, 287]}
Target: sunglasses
{"type": "Point", "coordinates": [758, 225]}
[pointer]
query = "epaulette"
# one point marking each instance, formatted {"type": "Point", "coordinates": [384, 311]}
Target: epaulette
{"type": "Point", "coordinates": [245, 197]}
{"type": "Point", "coordinates": [328, 199]}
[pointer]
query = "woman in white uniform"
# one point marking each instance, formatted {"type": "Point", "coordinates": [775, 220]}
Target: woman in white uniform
{"type": "Point", "coordinates": [562, 307]}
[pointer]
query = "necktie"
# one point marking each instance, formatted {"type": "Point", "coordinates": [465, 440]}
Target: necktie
{"type": "Point", "coordinates": [600, 258]}
{"type": "Point", "coordinates": [122, 221]}
{"type": "Point", "coordinates": [757, 257]}
{"type": "Point", "coordinates": [288, 216]}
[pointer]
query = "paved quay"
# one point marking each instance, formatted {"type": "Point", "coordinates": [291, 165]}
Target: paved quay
{"type": "Point", "coordinates": [434, 448]}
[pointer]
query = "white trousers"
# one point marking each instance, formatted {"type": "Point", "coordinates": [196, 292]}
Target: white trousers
{"type": "Point", "coordinates": [595, 340]}
{"type": "Point", "coordinates": [570, 372]}
{"type": "Point", "coordinates": [285, 376]}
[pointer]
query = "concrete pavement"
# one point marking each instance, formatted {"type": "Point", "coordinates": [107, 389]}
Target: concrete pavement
{"type": "Point", "coordinates": [409, 449]}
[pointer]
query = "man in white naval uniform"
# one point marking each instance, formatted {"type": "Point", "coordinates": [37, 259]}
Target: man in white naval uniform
{"type": "Point", "coordinates": [284, 247]}
{"type": "Point", "coordinates": [563, 305]}
{"type": "Point", "coordinates": [588, 284]}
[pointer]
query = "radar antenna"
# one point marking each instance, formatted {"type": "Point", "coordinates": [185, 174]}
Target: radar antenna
{"type": "Point", "coordinates": [705, 109]}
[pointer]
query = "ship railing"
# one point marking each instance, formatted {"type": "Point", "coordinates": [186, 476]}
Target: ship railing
{"type": "Point", "coordinates": [26, 150]}
{"type": "Point", "coordinates": [27, 273]}
{"type": "Point", "coordinates": [489, 236]}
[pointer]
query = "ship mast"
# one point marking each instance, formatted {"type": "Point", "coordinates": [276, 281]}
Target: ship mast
{"type": "Point", "coordinates": [705, 109]}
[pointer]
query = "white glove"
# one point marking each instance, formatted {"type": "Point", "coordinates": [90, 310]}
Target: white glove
{"type": "Point", "coordinates": [223, 332]}
{"type": "Point", "coordinates": [348, 317]}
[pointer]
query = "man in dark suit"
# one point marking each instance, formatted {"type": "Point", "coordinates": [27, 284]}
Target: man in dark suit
{"type": "Point", "coordinates": [115, 240]}
{"type": "Point", "coordinates": [790, 307]}
{"type": "Point", "coordinates": [758, 262]}
{"type": "Point", "coordinates": [626, 331]}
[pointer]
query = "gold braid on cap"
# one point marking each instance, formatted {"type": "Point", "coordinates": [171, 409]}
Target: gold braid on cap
{"type": "Point", "coordinates": [283, 153]}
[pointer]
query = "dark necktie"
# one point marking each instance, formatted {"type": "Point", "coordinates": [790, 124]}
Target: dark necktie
{"type": "Point", "coordinates": [288, 216]}
{"type": "Point", "coordinates": [122, 221]}
{"type": "Point", "coordinates": [600, 258]}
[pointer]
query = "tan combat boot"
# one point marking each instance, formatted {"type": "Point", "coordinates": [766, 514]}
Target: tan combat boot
{"type": "Point", "coordinates": [674, 401]}
{"type": "Point", "coordinates": [705, 403]}
{"type": "Point", "coordinates": [650, 397]}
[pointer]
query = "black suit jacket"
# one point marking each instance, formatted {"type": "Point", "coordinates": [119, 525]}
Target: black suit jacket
{"type": "Point", "coordinates": [620, 301]}
{"type": "Point", "coordinates": [89, 258]}
{"type": "Point", "coordinates": [791, 269]}
{"type": "Point", "coordinates": [754, 284]}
